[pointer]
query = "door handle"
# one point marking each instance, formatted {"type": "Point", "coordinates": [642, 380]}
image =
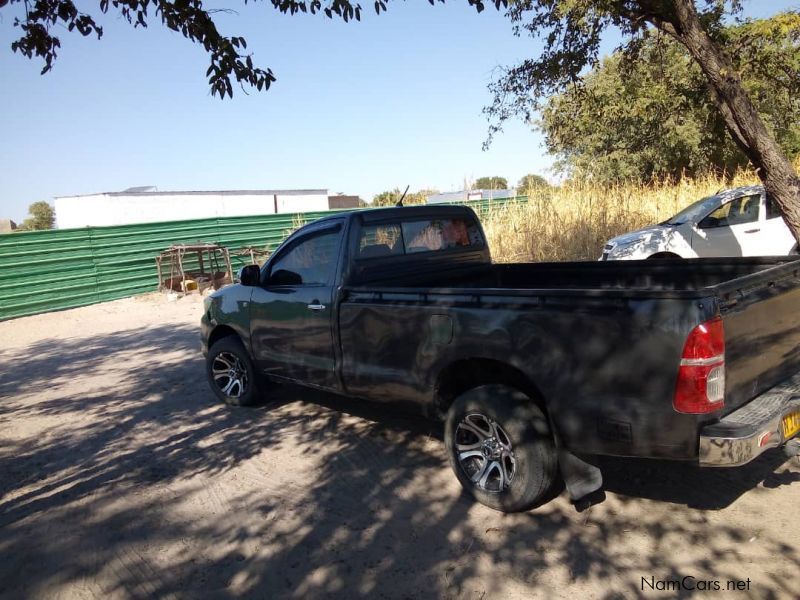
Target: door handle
{"type": "Point", "coordinates": [752, 230]}
{"type": "Point", "coordinates": [316, 306]}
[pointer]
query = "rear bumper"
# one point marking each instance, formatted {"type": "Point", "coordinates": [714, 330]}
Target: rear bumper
{"type": "Point", "coordinates": [754, 428]}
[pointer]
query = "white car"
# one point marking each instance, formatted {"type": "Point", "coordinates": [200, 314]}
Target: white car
{"type": "Point", "coordinates": [738, 222]}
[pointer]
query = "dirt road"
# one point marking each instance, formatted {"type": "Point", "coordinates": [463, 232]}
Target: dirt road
{"type": "Point", "coordinates": [121, 477]}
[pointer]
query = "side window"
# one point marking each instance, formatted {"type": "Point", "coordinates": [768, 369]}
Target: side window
{"type": "Point", "coordinates": [736, 212]}
{"type": "Point", "coordinates": [312, 258]}
{"type": "Point", "coordinates": [773, 212]}
{"type": "Point", "coordinates": [440, 234]}
{"type": "Point", "coordinates": [380, 240]}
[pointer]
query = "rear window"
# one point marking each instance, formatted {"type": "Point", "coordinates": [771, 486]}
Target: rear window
{"type": "Point", "coordinates": [440, 234]}
{"type": "Point", "coordinates": [380, 240]}
{"type": "Point", "coordinates": [410, 237]}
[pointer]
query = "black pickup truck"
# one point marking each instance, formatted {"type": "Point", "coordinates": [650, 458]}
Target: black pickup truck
{"type": "Point", "coordinates": [535, 368]}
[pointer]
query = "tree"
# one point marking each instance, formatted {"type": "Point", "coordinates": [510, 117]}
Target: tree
{"type": "Point", "coordinates": [388, 198]}
{"type": "Point", "coordinates": [490, 183]}
{"type": "Point", "coordinates": [654, 117]}
{"type": "Point", "coordinates": [39, 20]}
{"type": "Point", "coordinates": [42, 216]}
{"type": "Point", "coordinates": [391, 197]}
{"type": "Point", "coordinates": [531, 182]}
{"type": "Point", "coordinates": [572, 31]}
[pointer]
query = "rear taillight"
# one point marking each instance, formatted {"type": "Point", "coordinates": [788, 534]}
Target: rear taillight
{"type": "Point", "coordinates": [701, 377]}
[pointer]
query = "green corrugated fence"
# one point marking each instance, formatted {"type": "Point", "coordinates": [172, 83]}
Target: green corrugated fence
{"type": "Point", "coordinates": [41, 271]}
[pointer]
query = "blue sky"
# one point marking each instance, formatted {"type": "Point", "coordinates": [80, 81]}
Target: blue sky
{"type": "Point", "coordinates": [357, 108]}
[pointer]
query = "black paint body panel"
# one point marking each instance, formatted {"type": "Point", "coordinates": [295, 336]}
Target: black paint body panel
{"type": "Point", "coordinates": [600, 342]}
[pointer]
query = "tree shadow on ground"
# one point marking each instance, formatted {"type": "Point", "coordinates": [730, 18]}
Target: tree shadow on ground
{"type": "Point", "coordinates": [120, 475]}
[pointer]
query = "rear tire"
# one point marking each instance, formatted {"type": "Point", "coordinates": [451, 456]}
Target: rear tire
{"type": "Point", "coordinates": [501, 448]}
{"type": "Point", "coordinates": [231, 373]}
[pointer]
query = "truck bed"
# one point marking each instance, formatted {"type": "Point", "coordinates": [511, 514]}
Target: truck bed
{"type": "Point", "coordinates": [601, 340]}
{"type": "Point", "coordinates": [635, 277]}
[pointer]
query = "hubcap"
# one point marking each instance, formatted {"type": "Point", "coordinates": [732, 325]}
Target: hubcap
{"type": "Point", "coordinates": [485, 453]}
{"type": "Point", "coordinates": [230, 374]}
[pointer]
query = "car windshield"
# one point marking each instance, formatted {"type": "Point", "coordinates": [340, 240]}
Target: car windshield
{"type": "Point", "coordinates": [694, 212]}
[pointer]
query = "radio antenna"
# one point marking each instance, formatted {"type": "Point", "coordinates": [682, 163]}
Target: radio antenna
{"type": "Point", "coordinates": [400, 202]}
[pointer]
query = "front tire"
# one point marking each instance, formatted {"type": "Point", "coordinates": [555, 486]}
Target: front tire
{"type": "Point", "coordinates": [501, 448]}
{"type": "Point", "coordinates": [231, 373]}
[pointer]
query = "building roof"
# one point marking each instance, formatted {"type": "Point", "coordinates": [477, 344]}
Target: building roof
{"type": "Point", "coordinates": [129, 192]}
{"type": "Point", "coordinates": [142, 188]}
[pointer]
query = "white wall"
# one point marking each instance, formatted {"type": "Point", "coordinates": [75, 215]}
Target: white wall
{"type": "Point", "coordinates": [453, 197]}
{"type": "Point", "coordinates": [291, 203]}
{"type": "Point", "coordinates": [123, 209]}
{"type": "Point", "coordinates": [469, 195]}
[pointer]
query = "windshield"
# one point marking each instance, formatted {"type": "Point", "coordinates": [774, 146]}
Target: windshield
{"type": "Point", "coordinates": [694, 212]}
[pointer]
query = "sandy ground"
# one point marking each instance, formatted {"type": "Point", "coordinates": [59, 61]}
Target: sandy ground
{"type": "Point", "coordinates": [121, 477]}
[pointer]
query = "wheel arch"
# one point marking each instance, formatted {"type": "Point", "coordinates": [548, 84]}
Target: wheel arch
{"type": "Point", "coordinates": [660, 255]}
{"type": "Point", "coordinates": [468, 373]}
{"type": "Point", "coordinates": [222, 331]}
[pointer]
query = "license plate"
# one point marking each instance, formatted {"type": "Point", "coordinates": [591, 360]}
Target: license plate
{"type": "Point", "coordinates": [791, 425]}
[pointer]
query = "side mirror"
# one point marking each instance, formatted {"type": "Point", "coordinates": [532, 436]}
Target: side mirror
{"type": "Point", "coordinates": [284, 277]}
{"type": "Point", "coordinates": [249, 275]}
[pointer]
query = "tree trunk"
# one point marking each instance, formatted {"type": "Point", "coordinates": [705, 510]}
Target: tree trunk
{"type": "Point", "coordinates": [741, 117]}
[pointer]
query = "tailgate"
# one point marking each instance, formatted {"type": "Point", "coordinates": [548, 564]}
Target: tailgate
{"type": "Point", "coordinates": [761, 315]}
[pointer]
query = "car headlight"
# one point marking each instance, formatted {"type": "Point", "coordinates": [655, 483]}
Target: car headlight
{"type": "Point", "coordinates": [622, 249]}
{"type": "Point", "coordinates": [607, 249]}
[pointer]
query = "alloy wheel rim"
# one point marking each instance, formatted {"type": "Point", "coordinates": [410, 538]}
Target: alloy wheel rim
{"type": "Point", "coordinates": [485, 453]}
{"type": "Point", "coordinates": [230, 374]}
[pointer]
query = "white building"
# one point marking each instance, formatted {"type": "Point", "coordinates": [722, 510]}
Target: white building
{"type": "Point", "coordinates": [465, 195]}
{"type": "Point", "coordinates": [148, 205]}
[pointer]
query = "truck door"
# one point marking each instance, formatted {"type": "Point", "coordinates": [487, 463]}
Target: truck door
{"type": "Point", "coordinates": [733, 229]}
{"type": "Point", "coordinates": [291, 325]}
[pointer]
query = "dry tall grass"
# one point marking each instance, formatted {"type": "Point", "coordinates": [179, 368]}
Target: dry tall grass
{"type": "Point", "coordinates": [573, 221]}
